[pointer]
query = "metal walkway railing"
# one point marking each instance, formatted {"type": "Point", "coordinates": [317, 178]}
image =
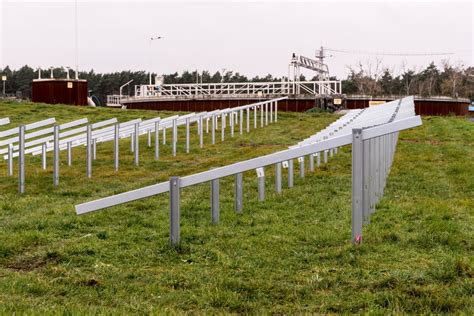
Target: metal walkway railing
{"type": "Point", "coordinates": [372, 132]}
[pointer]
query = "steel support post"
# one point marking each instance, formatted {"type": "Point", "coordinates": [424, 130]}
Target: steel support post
{"type": "Point", "coordinates": [366, 180]}
{"type": "Point", "coordinates": [175, 184]}
{"type": "Point", "coordinates": [223, 127]}
{"type": "Point", "coordinates": [43, 156]}
{"type": "Point", "coordinates": [137, 143]}
{"type": "Point", "coordinates": [94, 149]}
{"type": "Point", "coordinates": [238, 192]}
{"type": "Point", "coordinates": [21, 159]}
{"type": "Point", "coordinates": [254, 117]}
{"type": "Point", "coordinates": [372, 175]}
{"type": "Point", "coordinates": [301, 161]}
{"type": "Point", "coordinates": [10, 160]}
{"type": "Point", "coordinates": [271, 111]}
{"type": "Point", "coordinates": [261, 188]}
{"type": "Point", "coordinates": [69, 153]}
{"type": "Point", "coordinates": [311, 162]}
{"type": "Point", "coordinates": [89, 151]}
{"type": "Point", "coordinates": [201, 136]}
{"type": "Point", "coordinates": [116, 146]}
{"type": "Point", "coordinates": [266, 113]}
{"type": "Point", "coordinates": [325, 156]}
{"type": "Point", "coordinates": [261, 115]}
{"type": "Point", "coordinates": [149, 138]}
{"type": "Point", "coordinates": [213, 129]}
{"type": "Point", "coordinates": [231, 118]}
{"type": "Point", "coordinates": [215, 201]}
{"type": "Point", "coordinates": [276, 111]}
{"type": "Point", "coordinates": [132, 142]}
{"type": "Point", "coordinates": [187, 135]}
{"type": "Point", "coordinates": [157, 140]}
{"type": "Point", "coordinates": [248, 120]}
{"type": "Point", "coordinates": [331, 153]}
{"type": "Point", "coordinates": [241, 119]}
{"type": "Point", "coordinates": [318, 159]}
{"type": "Point", "coordinates": [56, 155]}
{"type": "Point", "coordinates": [164, 135]}
{"type": "Point", "coordinates": [290, 173]}
{"type": "Point", "coordinates": [175, 136]}
{"type": "Point", "coordinates": [357, 185]}
{"type": "Point", "coordinates": [278, 177]}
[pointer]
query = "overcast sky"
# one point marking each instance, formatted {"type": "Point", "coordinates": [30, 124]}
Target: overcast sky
{"type": "Point", "coordinates": [254, 38]}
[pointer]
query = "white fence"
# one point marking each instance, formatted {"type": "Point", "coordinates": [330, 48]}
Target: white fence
{"type": "Point", "coordinates": [372, 132]}
{"type": "Point", "coordinates": [80, 133]}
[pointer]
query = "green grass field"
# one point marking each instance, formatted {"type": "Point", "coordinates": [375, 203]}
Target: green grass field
{"type": "Point", "coordinates": [288, 254]}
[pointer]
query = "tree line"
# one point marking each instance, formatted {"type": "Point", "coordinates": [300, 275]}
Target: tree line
{"type": "Point", "coordinates": [365, 79]}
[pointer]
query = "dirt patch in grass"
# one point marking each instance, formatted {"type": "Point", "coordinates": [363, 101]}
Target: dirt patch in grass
{"type": "Point", "coordinates": [33, 263]}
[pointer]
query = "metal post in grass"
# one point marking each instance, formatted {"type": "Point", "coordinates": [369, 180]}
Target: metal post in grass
{"type": "Point", "coordinates": [261, 183]}
{"type": "Point", "coordinates": [149, 138]}
{"type": "Point", "coordinates": [69, 153]}
{"type": "Point", "coordinates": [318, 159]}
{"type": "Point", "coordinates": [164, 135]}
{"type": "Point", "coordinates": [238, 192]}
{"type": "Point", "coordinates": [89, 151]}
{"type": "Point", "coordinates": [213, 129]}
{"type": "Point", "coordinates": [278, 177]}
{"type": "Point", "coordinates": [357, 185]}
{"type": "Point", "coordinates": [116, 146]}
{"type": "Point", "coordinates": [187, 135]}
{"type": "Point", "coordinates": [10, 160]}
{"type": "Point", "coordinates": [290, 173]}
{"type": "Point", "coordinates": [377, 169]}
{"type": "Point", "coordinates": [271, 111]}
{"type": "Point", "coordinates": [241, 121]}
{"type": "Point", "coordinates": [132, 142]}
{"type": "Point", "coordinates": [248, 120]}
{"type": "Point", "coordinates": [136, 141]}
{"type": "Point", "coordinates": [223, 127]}
{"type": "Point", "coordinates": [94, 149]}
{"type": "Point", "coordinates": [331, 152]}
{"type": "Point", "coordinates": [266, 113]}
{"type": "Point", "coordinates": [215, 201]}
{"type": "Point", "coordinates": [336, 150]}
{"type": "Point", "coordinates": [56, 155]}
{"type": "Point", "coordinates": [261, 115]}
{"type": "Point", "coordinates": [175, 136]}
{"type": "Point", "coordinates": [325, 156]}
{"type": "Point", "coordinates": [231, 118]}
{"type": "Point", "coordinates": [201, 137]}
{"type": "Point", "coordinates": [207, 125]}
{"type": "Point", "coordinates": [371, 175]}
{"type": "Point", "coordinates": [157, 140]}
{"type": "Point", "coordinates": [301, 161]}
{"type": "Point", "coordinates": [43, 156]}
{"type": "Point", "coordinates": [276, 111]}
{"type": "Point", "coordinates": [21, 159]}
{"type": "Point", "coordinates": [366, 179]}
{"type": "Point", "coordinates": [255, 117]}
{"type": "Point", "coordinates": [175, 184]}
{"type": "Point", "coordinates": [311, 162]}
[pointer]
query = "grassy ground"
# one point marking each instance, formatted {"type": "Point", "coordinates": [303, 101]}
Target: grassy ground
{"type": "Point", "coordinates": [290, 253]}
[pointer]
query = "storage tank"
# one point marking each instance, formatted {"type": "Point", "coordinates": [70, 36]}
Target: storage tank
{"type": "Point", "coordinates": [64, 91]}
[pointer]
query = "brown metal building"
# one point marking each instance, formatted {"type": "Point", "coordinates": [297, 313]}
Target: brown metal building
{"type": "Point", "coordinates": [64, 91]}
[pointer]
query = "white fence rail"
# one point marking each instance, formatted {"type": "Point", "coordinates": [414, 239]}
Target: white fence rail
{"type": "Point", "coordinates": [373, 148]}
{"type": "Point", "coordinates": [68, 135]}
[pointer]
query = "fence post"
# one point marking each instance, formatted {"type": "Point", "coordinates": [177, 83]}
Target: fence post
{"type": "Point", "coordinates": [164, 135]}
{"type": "Point", "coordinates": [222, 127]}
{"type": "Point", "coordinates": [255, 117]}
{"type": "Point", "coordinates": [266, 113]}
{"type": "Point", "coordinates": [187, 135]}
{"type": "Point", "coordinates": [149, 138]}
{"type": "Point", "coordinates": [261, 115]}
{"type": "Point", "coordinates": [366, 179]}
{"type": "Point", "coordinates": [88, 151]}
{"type": "Point", "coordinates": [175, 136]}
{"type": "Point", "coordinates": [10, 160]}
{"type": "Point", "coordinates": [94, 149]}
{"type": "Point", "coordinates": [213, 128]}
{"type": "Point", "coordinates": [116, 146]}
{"type": "Point", "coordinates": [261, 183]}
{"type": "Point", "coordinates": [43, 156]}
{"type": "Point", "coordinates": [56, 155]}
{"type": "Point", "coordinates": [215, 201]}
{"type": "Point", "coordinates": [278, 177]}
{"type": "Point", "coordinates": [21, 159]}
{"type": "Point", "coordinates": [132, 142]}
{"type": "Point", "coordinates": [311, 162]}
{"type": "Point", "coordinates": [276, 111]}
{"type": "Point", "coordinates": [357, 185]}
{"type": "Point", "coordinates": [240, 121]}
{"type": "Point", "coordinates": [231, 119]}
{"type": "Point", "coordinates": [248, 120]}
{"type": "Point", "coordinates": [271, 111]}
{"type": "Point", "coordinates": [301, 161]}
{"type": "Point", "coordinates": [137, 143]}
{"type": "Point", "coordinates": [325, 156]}
{"type": "Point", "coordinates": [69, 153]}
{"type": "Point", "coordinates": [175, 184]}
{"type": "Point", "coordinates": [201, 139]}
{"type": "Point", "coordinates": [290, 173]}
{"type": "Point", "coordinates": [238, 193]}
